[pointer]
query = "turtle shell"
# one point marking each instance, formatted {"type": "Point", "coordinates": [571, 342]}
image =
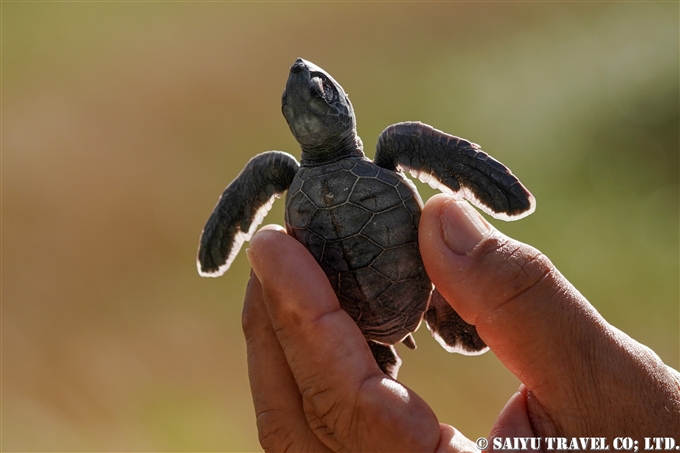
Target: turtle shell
{"type": "Point", "coordinates": [360, 222]}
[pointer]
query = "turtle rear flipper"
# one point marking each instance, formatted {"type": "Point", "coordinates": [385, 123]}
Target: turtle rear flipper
{"type": "Point", "coordinates": [387, 358]}
{"type": "Point", "coordinates": [241, 208]}
{"type": "Point", "coordinates": [449, 329]}
{"type": "Point", "coordinates": [452, 164]}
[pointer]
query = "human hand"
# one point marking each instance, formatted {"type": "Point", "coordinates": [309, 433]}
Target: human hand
{"type": "Point", "coordinates": [580, 375]}
{"type": "Point", "coordinates": [316, 386]}
{"type": "Point", "coordinates": [315, 383]}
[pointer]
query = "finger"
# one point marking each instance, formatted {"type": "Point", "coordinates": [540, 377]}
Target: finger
{"type": "Point", "coordinates": [452, 440]}
{"type": "Point", "coordinates": [349, 403]}
{"type": "Point", "coordinates": [523, 308]}
{"type": "Point", "coordinates": [281, 423]}
{"type": "Point", "coordinates": [513, 421]}
{"type": "Point", "coordinates": [544, 331]}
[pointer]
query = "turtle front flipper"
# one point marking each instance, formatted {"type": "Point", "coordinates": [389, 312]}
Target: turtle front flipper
{"type": "Point", "coordinates": [449, 329]}
{"type": "Point", "coordinates": [387, 358]}
{"type": "Point", "coordinates": [452, 164]}
{"type": "Point", "coordinates": [241, 208]}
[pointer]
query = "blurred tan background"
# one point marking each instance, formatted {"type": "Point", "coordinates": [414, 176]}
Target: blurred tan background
{"type": "Point", "coordinates": [123, 122]}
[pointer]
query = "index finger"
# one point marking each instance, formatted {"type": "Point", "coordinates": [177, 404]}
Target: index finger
{"type": "Point", "coordinates": [346, 398]}
{"type": "Point", "coordinates": [280, 418]}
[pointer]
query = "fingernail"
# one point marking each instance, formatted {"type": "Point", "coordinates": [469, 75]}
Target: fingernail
{"type": "Point", "coordinates": [252, 259]}
{"type": "Point", "coordinates": [462, 226]}
{"type": "Point", "coordinates": [250, 251]}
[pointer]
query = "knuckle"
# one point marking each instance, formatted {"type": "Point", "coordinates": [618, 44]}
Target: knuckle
{"type": "Point", "coordinates": [327, 416]}
{"type": "Point", "coordinates": [319, 404]}
{"type": "Point", "coordinates": [532, 268]}
{"type": "Point", "coordinates": [271, 434]}
{"type": "Point", "coordinates": [522, 271]}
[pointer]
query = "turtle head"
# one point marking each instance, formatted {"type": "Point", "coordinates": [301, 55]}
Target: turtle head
{"type": "Point", "coordinates": [319, 114]}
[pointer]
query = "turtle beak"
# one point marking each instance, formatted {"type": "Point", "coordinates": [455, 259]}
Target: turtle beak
{"type": "Point", "coordinates": [296, 95]}
{"type": "Point", "coordinates": [297, 86]}
{"type": "Point", "coordinates": [298, 66]}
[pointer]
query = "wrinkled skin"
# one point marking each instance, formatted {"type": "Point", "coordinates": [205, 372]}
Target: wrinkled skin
{"type": "Point", "coordinates": [316, 387]}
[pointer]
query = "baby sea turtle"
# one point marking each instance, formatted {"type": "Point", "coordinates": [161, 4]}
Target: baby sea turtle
{"type": "Point", "coordinates": [359, 218]}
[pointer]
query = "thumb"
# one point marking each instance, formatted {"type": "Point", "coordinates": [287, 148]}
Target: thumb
{"type": "Point", "coordinates": [533, 319]}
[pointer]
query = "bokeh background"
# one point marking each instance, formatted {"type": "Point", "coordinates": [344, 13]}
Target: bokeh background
{"type": "Point", "coordinates": [123, 122]}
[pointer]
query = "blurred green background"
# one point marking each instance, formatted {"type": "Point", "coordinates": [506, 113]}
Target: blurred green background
{"type": "Point", "coordinates": [123, 122]}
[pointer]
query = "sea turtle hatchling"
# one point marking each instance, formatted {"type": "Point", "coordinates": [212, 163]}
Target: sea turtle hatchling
{"type": "Point", "coordinates": [359, 218]}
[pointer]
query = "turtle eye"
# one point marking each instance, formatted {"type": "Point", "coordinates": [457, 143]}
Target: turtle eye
{"type": "Point", "coordinates": [329, 92]}
{"type": "Point", "coordinates": [317, 87]}
{"type": "Point", "coordinates": [323, 88]}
